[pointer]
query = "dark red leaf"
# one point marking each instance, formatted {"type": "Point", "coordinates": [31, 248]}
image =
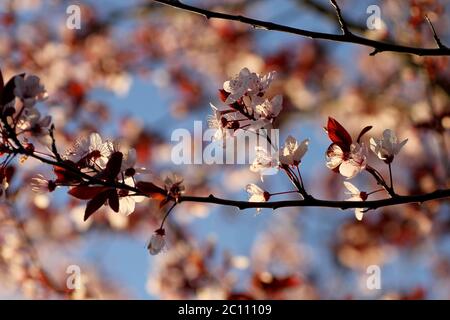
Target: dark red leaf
{"type": "Point", "coordinates": [363, 132]}
{"type": "Point", "coordinates": [113, 200]}
{"type": "Point", "coordinates": [65, 176]}
{"type": "Point", "coordinates": [86, 192]}
{"type": "Point", "coordinates": [95, 203]}
{"type": "Point", "coordinates": [113, 166]}
{"type": "Point", "coordinates": [338, 134]}
{"type": "Point", "coordinates": [150, 188]}
{"type": "Point", "coordinates": [7, 94]}
{"type": "Point", "coordinates": [223, 95]}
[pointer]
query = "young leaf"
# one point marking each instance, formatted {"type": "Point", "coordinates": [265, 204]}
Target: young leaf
{"type": "Point", "coordinates": [64, 175]}
{"type": "Point", "coordinates": [7, 94]}
{"type": "Point", "coordinates": [363, 132]}
{"type": "Point", "coordinates": [86, 192]}
{"type": "Point", "coordinates": [114, 164]}
{"type": "Point", "coordinates": [338, 134]}
{"type": "Point", "coordinates": [113, 200]}
{"type": "Point", "coordinates": [95, 203]}
{"type": "Point", "coordinates": [150, 188]}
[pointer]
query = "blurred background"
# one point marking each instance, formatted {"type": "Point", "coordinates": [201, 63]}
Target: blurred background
{"type": "Point", "coordinates": [139, 70]}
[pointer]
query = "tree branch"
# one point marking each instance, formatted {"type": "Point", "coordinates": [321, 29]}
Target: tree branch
{"type": "Point", "coordinates": [313, 202]}
{"type": "Point", "coordinates": [309, 201]}
{"type": "Point", "coordinates": [378, 46]}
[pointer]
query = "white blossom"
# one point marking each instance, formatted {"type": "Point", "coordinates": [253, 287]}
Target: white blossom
{"type": "Point", "coordinates": [292, 152]}
{"type": "Point", "coordinates": [256, 194]}
{"type": "Point", "coordinates": [247, 83]}
{"type": "Point", "coordinates": [31, 119]}
{"type": "Point", "coordinates": [93, 147]}
{"type": "Point", "coordinates": [157, 242]}
{"type": "Point", "coordinates": [350, 163]}
{"type": "Point", "coordinates": [29, 90]}
{"type": "Point", "coordinates": [355, 195]}
{"type": "Point", "coordinates": [264, 163]}
{"type": "Point", "coordinates": [127, 202]}
{"type": "Point", "coordinates": [270, 109]}
{"type": "Point", "coordinates": [217, 122]}
{"type": "Point", "coordinates": [388, 146]}
{"type": "Point", "coordinates": [39, 184]}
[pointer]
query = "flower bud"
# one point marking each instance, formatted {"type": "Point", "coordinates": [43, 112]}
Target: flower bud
{"type": "Point", "coordinates": [157, 242]}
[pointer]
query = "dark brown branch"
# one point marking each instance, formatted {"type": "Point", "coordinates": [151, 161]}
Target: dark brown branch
{"type": "Point", "coordinates": [313, 202]}
{"type": "Point", "coordinates": [378, 46]}
{"type": "Point", "coordinates": [309, 201]}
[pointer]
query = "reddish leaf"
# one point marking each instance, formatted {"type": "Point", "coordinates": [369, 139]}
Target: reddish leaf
{"type": "Point", "coordinates": [65, 176]}
{"type": "Point", "coordinates": [114, 164]}
{"type": "Point", "coordinates": [338, 134]}
{"type": "Point", "coordinates": [86, 192]}
{"type": "Point", "coordinates": [223, 95]}
{"type": "Point", "coordinates": [113, 200]}
{"type": "Point", "coordinates": [95, 203]}
{"type": "Point", "coordinates": [7, 94]}
{"type": "Point", "coordinates": [363, 132]}
{"type": "Point", "coordinates": [150, 188]}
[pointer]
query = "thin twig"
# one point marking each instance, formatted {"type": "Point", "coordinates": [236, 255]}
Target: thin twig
{"type": "Point", "coordinates": [344, 27]}
{"type": "Point", "coordinates": [391, 183]}
{"type": "Point", "coordinates": [380, 180]}
{"type": "Point", "coordinates": [54, 149]}
{"type": "Point", "coordinates": [378, 46]}
{"type": "Point", "coordinates": [435, 36]}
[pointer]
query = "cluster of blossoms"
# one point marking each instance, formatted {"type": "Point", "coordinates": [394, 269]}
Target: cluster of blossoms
{"type": "Point", "coordinates": [108, 177]}
{"type": "Point", "coordinates": [21, 111]}
{"type": "Point", "coordinates": [21, 120]}
{"type": "Point", "coordinates": [249, 109]}
{"type": "Point", "coordinates": [349, 158]}
{"type": "Point", "coordinates": [101, 172]}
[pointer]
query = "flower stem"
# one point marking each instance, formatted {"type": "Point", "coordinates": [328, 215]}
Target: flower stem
{"type": "Point", "coordinates": [380, 180]}
{"type": "Point", "coordinates": [167, 214]}
{"type": "Point", "coordinates": [300, 177]}
{"type": "Point", "coordinates": [379, 190]}
{"type": "Point", "coordinates": [390, 177]}
{"type": "Point", "coordinates": [284, 192]}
